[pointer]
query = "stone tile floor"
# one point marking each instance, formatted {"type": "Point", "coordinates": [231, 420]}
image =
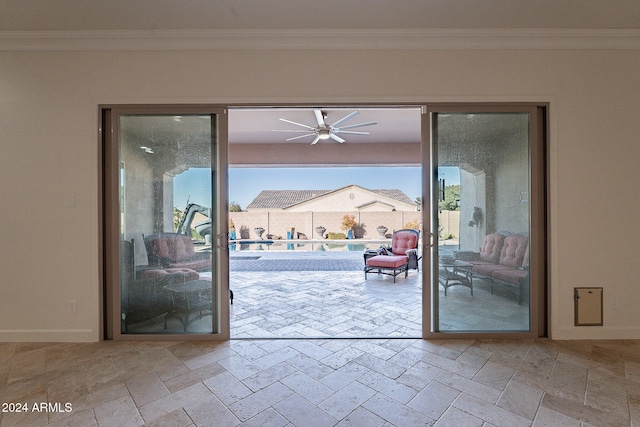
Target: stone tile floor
{"type": "Point", "coordinates": [322, 382]}
{"type": "Point", "coordinates": [322, 304]}
{"type": "Point", "coordinates": [309, 379]}
{"type": "Point", "coordinates": [325, 294]}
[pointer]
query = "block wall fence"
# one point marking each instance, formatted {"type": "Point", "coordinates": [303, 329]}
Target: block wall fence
{"type": "Point", "coordinates": [277, 223]}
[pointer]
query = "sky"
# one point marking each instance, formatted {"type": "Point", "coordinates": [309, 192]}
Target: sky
{"type": "Point", "coordinates": [246, 183]}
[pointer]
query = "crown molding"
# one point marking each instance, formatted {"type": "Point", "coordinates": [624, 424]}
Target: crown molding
{"type": "Point", "coordinates": [165, 40]}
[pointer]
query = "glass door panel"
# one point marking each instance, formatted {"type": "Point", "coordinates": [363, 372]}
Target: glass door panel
{"type": "Point", "coordinates": [482, 215]}
{"type": "Point", "coordinates": [167, 217]}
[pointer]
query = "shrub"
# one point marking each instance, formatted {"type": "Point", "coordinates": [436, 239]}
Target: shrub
{"type": "Point", "coordinates": [414, 225]}
{"type": "Point", "coordinates": [336, 236]}
{"type": "Point", "coordinates": [348, 222]}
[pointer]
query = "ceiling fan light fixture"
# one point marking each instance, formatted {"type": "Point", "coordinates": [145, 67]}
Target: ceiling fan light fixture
{"type": "Point", "coordinates": [324, 133]}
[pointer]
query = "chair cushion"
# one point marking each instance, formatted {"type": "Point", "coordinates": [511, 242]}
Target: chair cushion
{"type": "Point", "coordinates": [513, 251]}
{"type": "Point", "coordinates": [173, 248]}
{"type": "Point", "coordinates": [387, 261]}
{"type": "Point", "coordinates": [402, 241]}
{"type": "Point", "coordinates": [510, 275]}
{"type": "Point", "coordinates": [491, 248]}
{"type": "Point", "coordinates": [162, 272]}
{"type": "Point", "coordinates": [488, 269]}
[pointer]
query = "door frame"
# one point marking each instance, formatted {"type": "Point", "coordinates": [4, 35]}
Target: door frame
{"type": "Point", "coordinates": [110, 248]}
{"type": "Point", "coordinates": [538, 190]}
{"type": "Point", "coordinates": [110, 239]}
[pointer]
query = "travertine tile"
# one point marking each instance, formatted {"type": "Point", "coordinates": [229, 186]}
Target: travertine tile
{"type": "Point", "coordinates": [300, 412]}
{"type": "Point", "coordinates": [268, 376]}
{"type": "Point", "coordinates": [344, 376]}
{"type": "Point", "coordinates": [175, 401]}
{"type": "Point", "coordinates": [210, 412]}
{"type": "Point", "coordinates": [434, 400]}
{"type": "Point", "coordinates": [419, 375]}
{"type": "Point", "coordinates": [494, 375]}
{"type": "Point", "coordinates": [468, 386]}
{"type": "Point", "coordinates": [451, 365]}
{"type": "Point", "coordinates": [550, 418]}
{"type": "Point", "coordinates": [145, 388]}
{"type": "Point", "coordinates": [585, 413]}
{"type": "Point", "coordinates": [346, 400]}
{"type": "Point", "coordinates": [521, 399]}
{"type": "Point", "coordinates": [257, 402]}
{"type": "Point", "coordinates": [227, 388]}
{"type": "Point", "coordinates": [178, 418]}
{"type": "Point", "coordinates": [268, 417]}
{"type": "Point", "coordinates": [312, 390]}
{"type": "Point", "coordinates": [390, 387]}
{"type": "Point", "coordinates": [488, 412]}
{"type": "Point", "coordinates": [193, 377]}
{"type": "Point", "coordinates": [457, 418]}
{"type": "Point", "coordinates": [362, 417]}
{"type": "Point", "coordinates": [607, 396]}
{"type": "Point", "coordinates": [118, 413]}
{"type": "Point", "coordinates": [396, 413]}
{"type": "Point", "coordinates": [379, 382]}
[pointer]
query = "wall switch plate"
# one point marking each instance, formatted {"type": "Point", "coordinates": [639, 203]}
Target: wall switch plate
{"type": "Point", "coordinates": [615, 303]}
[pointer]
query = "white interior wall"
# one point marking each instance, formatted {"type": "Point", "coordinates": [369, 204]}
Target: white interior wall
{"type": "Point", "coordinates": [50, 173]}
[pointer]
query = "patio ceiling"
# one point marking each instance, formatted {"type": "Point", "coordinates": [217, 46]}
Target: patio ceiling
{"type": "Point", "coordinates": [255, 141]}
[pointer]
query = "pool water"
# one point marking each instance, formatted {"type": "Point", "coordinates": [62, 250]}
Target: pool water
{"type": "Point", "coordinates": [288, 245]}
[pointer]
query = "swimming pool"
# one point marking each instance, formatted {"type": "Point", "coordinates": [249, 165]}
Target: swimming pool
{"type": "Point", "coordinates": [307, 245]}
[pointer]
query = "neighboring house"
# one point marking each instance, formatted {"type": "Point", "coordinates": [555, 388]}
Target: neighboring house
{"type": "Point", "coordinates": [348, 198]}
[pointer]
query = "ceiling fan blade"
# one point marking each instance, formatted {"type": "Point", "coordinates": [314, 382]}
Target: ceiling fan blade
{"type": "Point", "coordinates": [300, 136]}
{"type": "Point", "coordinates": [315, 141]}
{"type": "Point", "coordinates": [336, 138]}
{"type": "Point", "coordinates": [319, 118]}
{"type": "Point", "coordinates": [355, 126]}
{"type": "Point", "coordinates": [295, 123]}
{"type": "Point", "coordinates": [351, 132]}
{"type": "Point", "coordinates": [289, 130]}
{"type": "Point", "coordinates": [345, 118]}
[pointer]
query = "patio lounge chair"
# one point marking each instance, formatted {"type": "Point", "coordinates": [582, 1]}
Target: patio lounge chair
{"type": "Point", "coordinates": [171, 250]}
{"type": "Point", "coordinates": [143, 296]}
{"type": "Point", "coordinates": [402, 256]}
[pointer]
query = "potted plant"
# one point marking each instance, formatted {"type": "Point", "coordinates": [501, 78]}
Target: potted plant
{"type": "Point", "coordinates": [382, 230]}
{"type": "Point", "coordinates": [348, 223]}
{"type": "Point", "coordinates": [320, 231]}
{"type": "Point", "coordinates": [232, 230]}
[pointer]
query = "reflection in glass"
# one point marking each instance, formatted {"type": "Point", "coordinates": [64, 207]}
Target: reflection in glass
{"type": "Point", "coordinates": [483, 222]}
{"type": "Point", "coordinates": [166, 254]}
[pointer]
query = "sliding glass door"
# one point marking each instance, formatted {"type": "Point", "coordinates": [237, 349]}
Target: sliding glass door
{"type": "Point", "coordinates": [165, 166]}
{"type": "Point", "coordinates": [487, 209]}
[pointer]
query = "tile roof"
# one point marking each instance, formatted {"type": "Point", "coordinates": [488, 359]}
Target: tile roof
{"type": "Point", "coordinates": [281, 199]}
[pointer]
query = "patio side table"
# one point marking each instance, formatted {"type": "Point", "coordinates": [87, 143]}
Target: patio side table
{"type": "Point", "coordinates": [187, 299]}
{"type": "Point", "coordinates": [455, 273]}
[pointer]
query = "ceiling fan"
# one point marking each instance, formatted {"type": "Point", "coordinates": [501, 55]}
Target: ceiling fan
{"type": "Point", "coordinates": [324, 130]}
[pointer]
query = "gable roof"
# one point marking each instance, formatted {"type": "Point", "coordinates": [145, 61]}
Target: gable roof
{"type": "Point", "coordinates": [374, 202]}
{"type": "Point", "coordinates": [282, 199]}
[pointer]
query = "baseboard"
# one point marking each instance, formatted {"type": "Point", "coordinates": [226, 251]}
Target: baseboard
{"type": "Point", "coordinates": [596, 333]}
{"type": "Point", "coordinates": [48, 335]}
